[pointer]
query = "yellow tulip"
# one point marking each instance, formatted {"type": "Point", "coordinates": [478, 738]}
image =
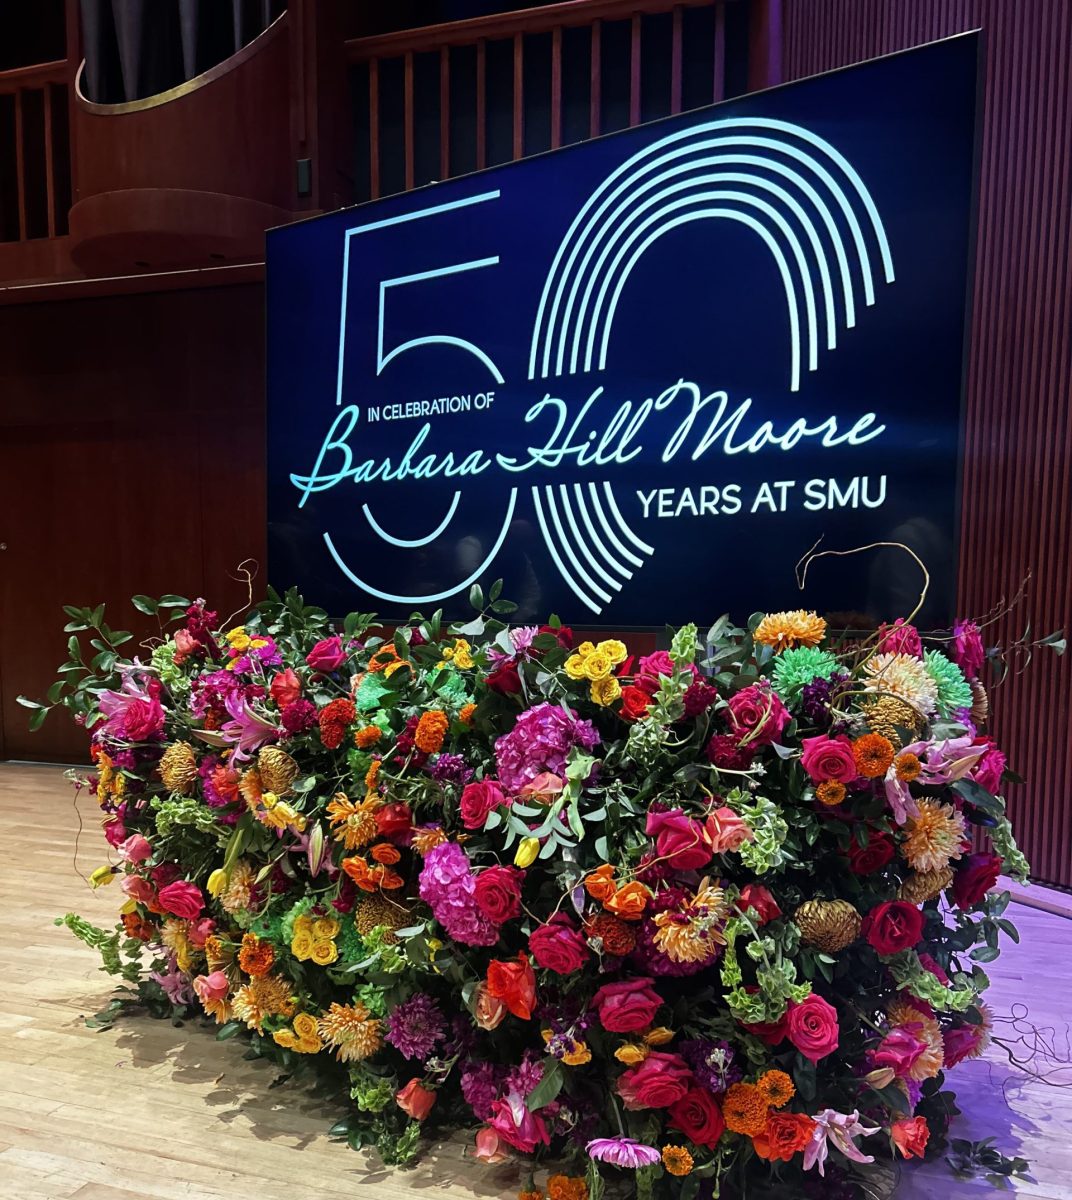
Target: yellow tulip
{"type": "Point", "coordinates": [101, 876]}
{"type": "Point", "coordinates": [217, 881]}
{"type": "Point", "coordinates": [527, 850]}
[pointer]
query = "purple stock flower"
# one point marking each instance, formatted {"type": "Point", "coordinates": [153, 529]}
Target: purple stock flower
{"type": "Point", "coordinates": [451, 768]}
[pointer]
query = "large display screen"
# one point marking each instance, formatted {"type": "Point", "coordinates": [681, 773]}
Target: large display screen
{"type": "Point", "coordinates": [639, 378]}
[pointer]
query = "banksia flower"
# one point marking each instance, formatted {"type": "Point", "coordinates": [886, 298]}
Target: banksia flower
{"type": "Point", "coordinates": [925, 885]}
{"type": "Point", "coordinates": [888, 714]}
{"type": "Point", "coordinates": [980, 708]}
{"type": "Point", "coordinates": [377, 911]}
{"type": "Point", "coordinates": [277, 770]}
{"type": "Point", "coordinates": [829, 925]}
{"type": "Point", "coordinates": [178, 768]}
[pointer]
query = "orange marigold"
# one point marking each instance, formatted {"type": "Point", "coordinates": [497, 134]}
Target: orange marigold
{"type": "Point", "coordinates": [367, 736]}
{"type": "Point", "coordinates": [677, 1160]}
{"type": "Point", "coordinates": [745, 1109]}
{"type": "Point", "coordinates": [431, 730]}
{"type": "Point", "coordinates": [255, 956]}
{"type": "Point", "coordinates": [908, 767]}
{"type": "Point", "coordinates": [466, 713]}
{"type": "Point", "coordinates": [567, 1187]}
{"type": "Point", "coordinates": [873, 754]}
{"type": "Point", "coordinates": [385, 659]}
{"type": "Point", "coordinates": [830, 792]}
{"type": "Point", "coordinates": [617, 937]}
{"type": "Point", "coordinates": [776, 1088]}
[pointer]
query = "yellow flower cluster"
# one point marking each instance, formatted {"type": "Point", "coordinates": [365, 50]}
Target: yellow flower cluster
{"type": "Point", "coordinates": [457, 655]}
{"type": "Point", "coordinates": [314, 940]}
{"type": "Point", "coordinates": [304, 1038]}
{"type": "Point", "coordinates": [240, 641]}
{"type": "Point", "coordinates": [596, 663]}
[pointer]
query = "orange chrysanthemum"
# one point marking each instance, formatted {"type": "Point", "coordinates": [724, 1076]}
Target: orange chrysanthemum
{"type": "Point", "coordinates": [353, 823]}
{"type": "Point", "coordinates": [384, 852]}
{"type": "Point", "coordinates": [776, 1088]}
{"type": "Point", "coordinates": [428, 838]}
{"type": "Point", "coordinates": [600, 883]}
{"type": "Point", "coordinates": [431, 730]}
{"type": "Point", "coordinates": [783, 630]}
{"type": "Point", "coordinates": [255, 957]}
{"type": "Point", "coordinates": [466, 713]}
{"type": "Point", "coordinates": [934, 837]}
{"type": "Point", "coordinates": [745, 1109]}
{"type": "Point", "coordinates": [351, 1031]}
{"type": "Point", "coordinates": [264, 996]}
{"type": "Point", "coordinates": [873, 754]}
{"type": "Point", "coordinates": [907, 767]}
{"type": "Point", "coordinates": [830, 792]}
{"type": "Point", "coordinates": [628, 902]}
{"type": "Point", "coordinates": [368, 736]}
{"type": "Point", "coordinates": [677, 1160]}
{"type": "Point", "coordinates": [251, 788]}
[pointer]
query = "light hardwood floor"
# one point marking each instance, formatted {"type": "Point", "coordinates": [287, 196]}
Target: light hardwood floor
{"type": "Point", "coordinates": [147, 1110]}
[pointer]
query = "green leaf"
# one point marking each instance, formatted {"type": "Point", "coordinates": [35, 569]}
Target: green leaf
{"type": "Point", "coordinates": [174, 602]}
{"type": "Point", "coordinates": [502, 607]}
{"type": "Point", "coordinates": [225, 1032]}
{"type": "Point", "coordinates": [993, 806]}
{"type": "Point", "coordinates": [38, 719]}
{"type": "Point", "coordinates": [26, 702]}
{"type": "Point", "coordinates": [985, 954]}
{"type": "Point", "coordinates": [145, 604]}
{"type": "Point", "coordinates": [341, 1128]}
{"type": "Point", "coordinates": [548, 1087]}
{"type": "Point", "coordinates": [476, 597]}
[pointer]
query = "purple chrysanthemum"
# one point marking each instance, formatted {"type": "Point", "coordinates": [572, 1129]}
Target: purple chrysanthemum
{"type": "Point", "coordinates": [415, 1026]}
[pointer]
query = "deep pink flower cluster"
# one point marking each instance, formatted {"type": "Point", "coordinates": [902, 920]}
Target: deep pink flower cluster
{"type": "Point", "coordinates": [448, 886]}
{"type": "Point", "coordinates": [540, 741]}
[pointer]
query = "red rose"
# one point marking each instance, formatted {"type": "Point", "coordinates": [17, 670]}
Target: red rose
{"type": "Point", "coordinates": [976, 876]}
{"type": "Point", "coordinates": [698, 1117]}
{"type": "Point", "coordinates": [659, 1081]}
{"type": "Point", "coordinates": [910, 1136]}
{"type": "Point", "coordinates": [635, 703]}
{"type": "Point", "coordinates": [679, 840]}
{"type": "Point", "coordinates": [863, 860]}
{"type": "Point", "coordinates": [286, 688]}
{"type": "Point", "coordinates": [770, 1032]}
{"type": "Point", "coordinates": [758, 713]}
{"type": "Point", "coordinates": [327, 655]}
{"type": "Point", "coordinates": [514, 983]}
{"type": "Point", "coordinates": [182, 899]}
{"type": "Point", "coordinates": [505, 679]}
{"type": "Point", "coordinates": [893, 926]}
{"type": "Point", "coordinates": [628, 1005]}
{"type": "Point", "coordinates": [394, 822]}
{"type": "Point", "coordinates": [479, 801]}
{"type": "Point", "coordinates": [498, 893]}
{"type": "Point", "coordinates": [415, 1100]}
{"type": "Point", "coordinates": [559, 946]}
{"type": "Point", "coordinates": [562, 633]}
{"type": "Point", "coordinates": [829, 758]}
{"type": "Point", "coordinates": [755, 895]}
{"type": "Point", "coordinates": [785, 1135]}
{"type": "Point", "coordinates": [812, 1026]}
{"type": "Point", "coordinates": [144, 720]}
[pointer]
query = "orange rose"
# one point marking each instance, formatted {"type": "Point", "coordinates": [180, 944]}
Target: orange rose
{"type": "Point", "coordinates": [385, 853]}
{"type": "Point", "coordinates": [600, 884]}
{"type": "Point", "coordinates": [488, 1010]}
{"type": "Point", "coordinates": [514, 983]}
{"type": "Point", "coordinates": [785, 1135]}
{"type": "Point", "coordinates": [628, 902]}
{"type": "Point", "coordinates": [910, 1136]}
{"type": "Point", "coordinates": [415, 1100]}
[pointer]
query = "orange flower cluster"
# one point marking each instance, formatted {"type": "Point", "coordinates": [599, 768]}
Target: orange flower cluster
{"type": "Point", "coordinates": [617, 937]}
{"type": "Point", "coordinates": [627, 902]}
{"type": "Point", "coordinates": [785, 1135]}
{"type": "Point", "coordinates": [777, 1088]}
{"type": "Point", "coordinates": [372, 878]}
{"type": "Point", "coordinates": [677, 1160]}
{"type": "Point", "coordinates": [367, 736]}
{"type": "Point", "coordinates": [431, 730]}
{"type": "Point", "coordinates": [873, 754]}
{"type": "Point", "coordinates": [255, 956]}
{"type": "Point", "coordinates": [567, 1187]}
{"type": "Point", "coordinates": [466, 713]}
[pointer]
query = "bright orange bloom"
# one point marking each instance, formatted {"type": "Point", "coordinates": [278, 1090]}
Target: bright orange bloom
{"type": "Point", "coordinates": [677, 1160]}
{"type": "Point", "coordinates": [255, 957]}
{"type": "Point", "coordinates": [372, 775]}
{"type": "Point", "coordinates": [384, 852]}
{"type": "Point", "coordinates": [830, 792]}
{"type": "Point", "coordinates": [371, 879]}
{"type": "Point", "coordinates": [385, 659]}
{"type": "Point", "coordinates": [466, 714]}
{"type": "Point", "coordinates": [745, 1110]}
{"type": "Point", "coordinates": [873, 754]}
{"type": "Point", "coordinates": [566, 1187]}
{"type": "Point", "coordinates": [368, 736]}
{"type": "Point", "coordinates": [427, 839]}
{"type": "Point", "coordinates": [431, 730]}
{"type": "Point", "coordinates": [777, 1088]}
{"type": "Point", "coordinates": [628, 902]}
{"type": "Point", "coordinates": [600, 884]}
{"type": "Point", "coordinates": [136, 926]}
{"type": "Point", "coordinates": [908, 767]}
{"type": "Point", "coordinates": [785, 1135]}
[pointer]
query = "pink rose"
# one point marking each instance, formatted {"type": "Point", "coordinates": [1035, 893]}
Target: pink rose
{"type": "Point", "coordinates": [135, 849]}
{"type": "Point", "coordinates": [559, 946]}
{"type": "Point", "coordinates": [138, 888]}
{"type": "Point", "coordinates": [185, 645]}
{"type": "Point", "coordinates": [829, 758]}
{"type": "Point", "coordinates": [479, 801]}
{"type": "Point", "coordinates": [415, 1100]}
{"type": "Point", "coordinates": [726, 832]}
{"type": "Point", "coordinates": [812, 1026]}
{"type": "Point", "coordinates": [975, 876]}
{"type": "Point", "coordinates": [659, 1081]}
{"type": "Point", "coordinates": [211, 987]}
{"type": "Point", "coordinates": [899, 1050]}
{"type": "Point", "coordinates": [327, 655]}
{"type": "Point", "coordinates": [512, 1121]}
{"type": "Point", "coordinates": [144, 720]}
{"type": "Point", "coordinates": [679, 840]}
{"type": "Point", "coordinates": [285, 688]}
{"type": "Point", "coordinates": [652, 667]}
{"type": "Point", "coordinates": [989, 769]}
{"type": "Point", "coordinates": [182, 899]}
{"type": "Point", "coordinates": [757, 713]}
{"type": "Point", "coordinates": [628, 1005]}
{"type": "Point", "coordinates": [544, 789]}
{"type": "Point", "coordinates": [200, 931]}
{"type": "Point", "coordinates": [115, 831]}
{"type": "Point", "coordinates": [755, 895]}
{"type": "Point", "coordinates": [489, 1147]}
{"type": "Point", "coordinates": [488, 1010]}
{"type": "Point", "coordinates": [960, 1042]}
{"type": "Point", "coordinates": [498, 893]}
{"type": "Point", "coordinates": [899, 638]}
{"type": "Point", "coordinates": [968, 651]}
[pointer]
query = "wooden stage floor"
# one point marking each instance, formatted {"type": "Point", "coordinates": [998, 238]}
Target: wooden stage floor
{"type": "Point", "coordinates": [146, 1110]}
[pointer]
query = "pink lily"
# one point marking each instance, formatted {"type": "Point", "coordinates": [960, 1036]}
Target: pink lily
{"type": "Point", "coordinates": [246, 731]}
{"type": "Point", "coordinates": [941, 762]}
{"type": "Point", "coordinates": [839, 1128]}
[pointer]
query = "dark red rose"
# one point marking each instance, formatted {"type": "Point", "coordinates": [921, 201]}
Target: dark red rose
{"type": "Point", "coordinates": [562, 633]}
{"type": "Point", "coordinates": [976, 876]}
{"type": "Point", "coordinates": [559, 946]}
{"type": "Point", "coordinates": [505, 679]}
{"type": "Point", "coordinates": [698, 1117]}
{"type": "Point", "coordinates": [755, 895]}
{"type": "Point", "coordinates": [394, 822]}
{"type": "Point", "coordinates": [893, 926]}
{"type": "Point", "coordinates": [863, 860]}
{"type": "Point", "coordinates": [498, 893]}
{"type": "Point", "coordinates": [635, 703]}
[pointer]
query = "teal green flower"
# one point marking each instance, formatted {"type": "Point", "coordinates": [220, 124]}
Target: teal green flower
{"type": "Point", "coordinates": [793, 669]}
{"type": "Point", "coordinates": [953, 689]}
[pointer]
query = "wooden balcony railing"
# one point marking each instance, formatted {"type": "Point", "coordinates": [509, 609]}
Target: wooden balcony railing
{"type": "Point", "coordinates": [35, 155]}
{"type": "Point", "coordinates": [532, 47]}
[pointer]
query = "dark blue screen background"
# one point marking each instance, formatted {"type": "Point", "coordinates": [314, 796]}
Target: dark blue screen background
{"type": "Point", "coordinates": [705, 303]}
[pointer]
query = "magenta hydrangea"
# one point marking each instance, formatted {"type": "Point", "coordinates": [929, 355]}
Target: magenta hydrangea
{"type": "Point", "coordinates": [540, 741]}
{"type": "Point", "coordinates": [448, 886]}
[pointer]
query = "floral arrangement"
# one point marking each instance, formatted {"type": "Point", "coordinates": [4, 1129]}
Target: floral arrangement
{"type": "Point", "coordinates": [709, 918]}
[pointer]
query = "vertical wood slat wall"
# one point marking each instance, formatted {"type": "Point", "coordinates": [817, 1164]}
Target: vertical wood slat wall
{"type": "Point", "coordinates": [1017, 490]}
{"type": "Point", "coordinates": [35, 164]}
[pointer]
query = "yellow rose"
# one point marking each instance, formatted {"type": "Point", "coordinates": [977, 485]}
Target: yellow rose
{"type": "Point", "coordinates": [309, 1045]}
{"type": "Point", "coordinates": [614, 650]}
{"type": "Point", "coordinates": [325, 927]}
{"type": "Point", "coordinates": [606, 691]}
{"type": "Point", "coordinates": [578, 1056]}
{"type": "Point", "coordinates": [239, 640]}
{"type": "Point", "coordinates": [303, 924]}
{"type": "Point", "coordinates": [285, 1038]}
{"type": "Point", "coordinates": [217, 882]}
{"type": "Point", "coordinates": [305, 1026]}
{"type": "Point", "coordinates": [631, 1053]}
{"type": "Point", "coordinates": [574, 666]}
{"type": "Point", "coordinates": [597, 665]}
{"type": "Point", "coordinates": [463, 660]}
{"type": "Point", "coordinates": [658, 1036]}
{"type": "Point", "coordinates": [324, 953]}
{"type": "Point", "coordinates": [584, 649]}
{"type": "Point", "coordinates": [527, 850]}
{"type": "Point", "coordinates": [302, 945]}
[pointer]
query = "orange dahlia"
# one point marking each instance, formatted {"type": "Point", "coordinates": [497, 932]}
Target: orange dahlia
{"type": "Point", "coordinates": [873, 754]}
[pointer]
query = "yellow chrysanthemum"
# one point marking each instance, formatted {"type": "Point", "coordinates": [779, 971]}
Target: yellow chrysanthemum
{"type": "Point", "coordinates": [352, 822]}
{"type": "Point", "coordinates": [783, 630]}
{"type": "Point", "coordinates": [351, 1031]}
{"type": "Point", "coordinates": [264, 996]}
{"type": "Point", "coordinates": [605, 691]}
{"type": "Point", "coordinates": [236, 895]}
{"type": "Point", "coordinates": [693, 933]}
{"type": "Point", "coordinates": [905, 677]}
{"type": "Point", "coordinates": [935, 837]}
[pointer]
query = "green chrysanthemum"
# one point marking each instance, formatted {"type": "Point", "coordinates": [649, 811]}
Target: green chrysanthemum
{"type": "Point", "coordinates": [793, 669]}
{"type": "Point", "coordinates": [953, 689]}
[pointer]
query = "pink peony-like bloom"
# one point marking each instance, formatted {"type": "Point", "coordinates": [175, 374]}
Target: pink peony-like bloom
{"type": "Point", "coordinates": [622, 1152]}
{"type": "Point", "coordinates": [990, 767]}
{"type": "Point", "coordinates": [137, 888]}
{"type": "Point", "coordinates": [726, 832]}
{"type": "Point", "coordinates": [899, 1050]}
{"type": "Point", "coordinates": [963, 1041]}
{"type": "Point", "coordinates": [899, 638]}
{"type": "Point", "coordinates": [540, 741]}
{"type": "Point", "coordinates": [679, 839]}
{"type": "Point", "coordinates": [829, 758]}
{"type": "Point", "coordinates": [200, 931]}
{"type": "Point", "coordinates": [968, 651]}
{"type": "Point", "coordinates": [657, 1082]}
{"type": "Point", "coordinates": [654, 667]}
{"type": "Point", "coordinates": [448, 886]}
{"type": "Point", "coordinates": [182, 899]}
{"type": "Point", "coordinates": [133, 714]}
{"type": "Point", "coordinates": [512, 1121]}
{"type": "Point", "coordinates": [628, 1005]}
{"type": "Point", "coordinates": [135, 849]}
{"type": "Point", "coordinates": [757, 714]}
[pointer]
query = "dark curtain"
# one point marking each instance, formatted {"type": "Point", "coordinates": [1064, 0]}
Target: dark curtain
{"type": "Point", "coordinates": [139, 48]}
